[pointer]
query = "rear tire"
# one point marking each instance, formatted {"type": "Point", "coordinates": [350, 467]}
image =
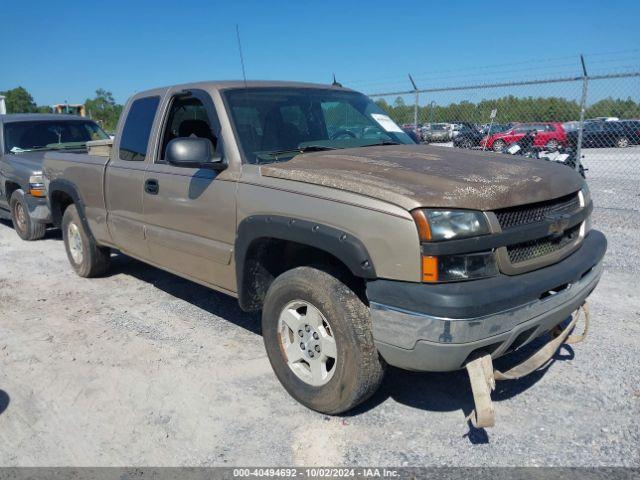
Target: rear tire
{"type": "Point", "coordinates": [622, 142]}
{"type": "Point", "coordinates": [306, 303]}
{"type": "Point", "coordinates": [466, 143]}
{"type": "Point", "coordinates": [85, 256]}
{"type": "Point", "coordinates": [23, 224]}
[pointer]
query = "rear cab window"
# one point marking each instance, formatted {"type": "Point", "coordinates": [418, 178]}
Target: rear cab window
{"type": "Point", "coordinates": [134, 140]}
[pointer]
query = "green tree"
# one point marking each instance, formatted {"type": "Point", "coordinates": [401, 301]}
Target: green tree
{"type": "Point", "coordinates": [19, 100]}
{"type": "Point", "coordinates": [512, 109]}
{"type": "Point", "coordinates": [382, 103]}
{"type": "Point", "coordinates": [103, 109]}
{"type": "Point", "coordinates": [401, 112]}
{"type": "Point", "coordinates": [610, 107]}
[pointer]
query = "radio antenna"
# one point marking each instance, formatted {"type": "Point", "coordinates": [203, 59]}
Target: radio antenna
{"type": "Point", "coordinates": [244, 74]}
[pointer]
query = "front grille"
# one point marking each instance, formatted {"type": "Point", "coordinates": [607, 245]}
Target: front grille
{"type": "Point", "coordinates": [536, 212]}
{"type": "Point", "coordinates": [521, 252]}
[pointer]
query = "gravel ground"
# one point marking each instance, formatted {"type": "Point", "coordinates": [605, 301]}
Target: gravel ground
{"type": "Point", "coordinates": [143, 368]}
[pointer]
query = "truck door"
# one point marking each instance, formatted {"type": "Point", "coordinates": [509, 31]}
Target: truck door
{"type": "Point", "coordinates": [125, 175]}
{"type": "Point", "coordinates": [191, 213]}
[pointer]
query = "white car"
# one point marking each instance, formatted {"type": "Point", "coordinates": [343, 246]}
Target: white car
{"type": "Point", "coordinates": [436, 132]}
{"type": "Point", "coordinates": [603, 119]}
{"type": "Point", "coordinates": [455, 129]}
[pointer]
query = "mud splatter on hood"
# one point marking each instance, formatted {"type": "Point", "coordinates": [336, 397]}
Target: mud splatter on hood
{"type": "Point", "coordinates": [428, 176]}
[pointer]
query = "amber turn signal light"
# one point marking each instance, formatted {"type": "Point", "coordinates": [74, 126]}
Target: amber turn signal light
{"type": "Point", "coordinates": [429, 269]}
{"type": "Point", "coordinates": [424, 232]}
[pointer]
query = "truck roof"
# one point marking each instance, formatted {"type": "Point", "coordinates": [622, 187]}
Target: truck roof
{"type": "Point", "coordinates": [31, 117]}
{"type": "Point", "coordinates": [229, 84]}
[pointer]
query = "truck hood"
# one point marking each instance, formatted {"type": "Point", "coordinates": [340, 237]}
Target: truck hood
{"type": "Point", "coordinates": [27, 160]}
{"type": "Point", "coordinates": [414, 176]}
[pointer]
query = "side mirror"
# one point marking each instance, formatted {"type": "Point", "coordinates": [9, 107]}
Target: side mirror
{"type": "Point", "coordinates": [193, 152]}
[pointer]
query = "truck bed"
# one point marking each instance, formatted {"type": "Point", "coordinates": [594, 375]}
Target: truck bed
{"type": "Point", "coordinates": [86, 173]}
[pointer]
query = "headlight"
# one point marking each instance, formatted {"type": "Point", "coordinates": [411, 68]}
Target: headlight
{"type": "Point", "coordinates": [585, 200]}
{"type": "Point", "coordinates": [585, 195]}
{"type": "Point", "coordinates": [453, 268]}
{"type": "Point", "coordinates": [441, 225]}
{"type": "Point", "coordinates": [36, 185]}
{"type": "Point", "coordinates": [438, 225]}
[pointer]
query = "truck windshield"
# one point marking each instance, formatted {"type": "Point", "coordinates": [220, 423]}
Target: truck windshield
{"type": "Point", "coordinates": [275, 124]}
{"type": "Point", "coordinates": [50, 135]}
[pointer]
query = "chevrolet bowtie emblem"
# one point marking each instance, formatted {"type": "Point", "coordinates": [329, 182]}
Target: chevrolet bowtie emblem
{"type": "Point", "coordinates": [559, 223]}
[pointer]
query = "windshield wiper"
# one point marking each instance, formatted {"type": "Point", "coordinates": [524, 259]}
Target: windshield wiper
{"type": "Point", "coordinates": [305, 149]}
{"type": "Point", "coordinates": [48, 147]}
{"type": "Point", "coordinates": [386, 142]}
{"type": "Point", "coordinates": [70, 147]}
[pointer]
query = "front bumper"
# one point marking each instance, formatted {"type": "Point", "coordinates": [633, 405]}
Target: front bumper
{"type": "Point", "coordinates": [440, 327]}
{"type": "Point", "coordinates": [38, 209]}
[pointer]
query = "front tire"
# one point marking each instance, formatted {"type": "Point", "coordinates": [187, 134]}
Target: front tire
{"type": "Point", "coordinates": [23, 224]}
{"type": "Point", "coordinates": [319, 340]}
{"type": "Point", "coordinates": [552, 145]}
{"type": "Point", "coordinates": [498, 145]}
{"type": "Point", "coordinates": [85, 256]}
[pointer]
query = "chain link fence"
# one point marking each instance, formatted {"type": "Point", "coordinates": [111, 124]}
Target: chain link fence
{"type": "Point", "coordinates": [590, 122]}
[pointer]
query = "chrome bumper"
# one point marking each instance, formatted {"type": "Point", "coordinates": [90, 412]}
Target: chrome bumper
{"type": "Point", "coordinates": [418, 341]}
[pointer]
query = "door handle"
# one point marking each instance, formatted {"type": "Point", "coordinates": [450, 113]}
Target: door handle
{"type": "Point", "coordinates": [151, 186]}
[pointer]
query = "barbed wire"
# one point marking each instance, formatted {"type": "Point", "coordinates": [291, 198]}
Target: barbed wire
{"type": "Point", "coordinates": [508, 84]}
{"type": "Point", "coordinates": [618, 61]}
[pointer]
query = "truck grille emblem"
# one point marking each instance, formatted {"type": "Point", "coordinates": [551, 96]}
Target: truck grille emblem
{"type": "Point", "coordinates": [559, 223]}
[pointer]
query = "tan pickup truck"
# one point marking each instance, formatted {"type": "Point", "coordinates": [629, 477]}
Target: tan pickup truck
{"type": "Point", "coordinates": [361, 248]}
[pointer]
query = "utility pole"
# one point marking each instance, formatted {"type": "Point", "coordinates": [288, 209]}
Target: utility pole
{"type": "Point", "coordinates": [583, 106]}
{"type": "Point", "coordinates": [415, 106]}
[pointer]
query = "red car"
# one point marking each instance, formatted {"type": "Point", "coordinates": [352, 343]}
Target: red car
{"type": "Point", "coordinates": [549, 135]}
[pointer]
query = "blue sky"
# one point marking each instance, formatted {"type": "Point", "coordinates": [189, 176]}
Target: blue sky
{"type": "Point", "coordinates": [65, 50]}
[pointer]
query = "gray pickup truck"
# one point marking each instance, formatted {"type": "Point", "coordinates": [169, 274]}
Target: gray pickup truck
{"type": "Point", "coordinates": [24, 139]}
{"type": "Point", "coordinates": [360, 247]}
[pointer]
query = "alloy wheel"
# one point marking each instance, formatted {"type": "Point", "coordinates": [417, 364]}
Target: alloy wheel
{"type": "Point", "coordinates": [75, 243]}
{"type": "Point", "coordinates": [21, 217]}
{"type": "Point", "coordinates": [307, 343]}
{"type": "Point", "coordinates": [623, 142]}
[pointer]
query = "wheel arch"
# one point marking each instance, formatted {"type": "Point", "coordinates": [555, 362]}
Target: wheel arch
{"type": "Point", "coordinates": [295, 243]}
{"type": "Point", "coordinates": [10, 186]}
{"type": "Point", "coordinates": [61, 194]}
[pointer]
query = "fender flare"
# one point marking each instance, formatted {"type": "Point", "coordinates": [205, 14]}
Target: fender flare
{"type": "Point", "coordinates": [65, 186]}
{"type": "Point", "coordinates": [342, 245]}
{"type": "Point", "coordinates": [13, 180]}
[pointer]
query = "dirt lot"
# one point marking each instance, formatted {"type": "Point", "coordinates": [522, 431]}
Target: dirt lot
{"type": "Point", "coordinates": [143, 368]}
